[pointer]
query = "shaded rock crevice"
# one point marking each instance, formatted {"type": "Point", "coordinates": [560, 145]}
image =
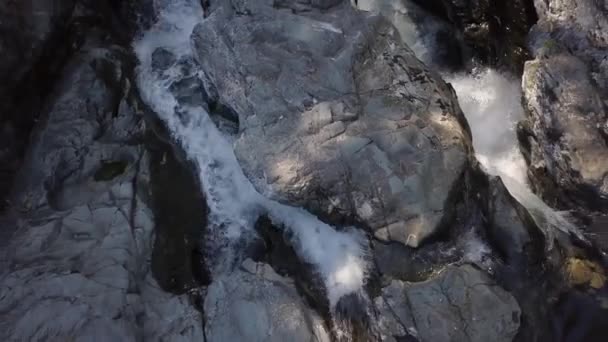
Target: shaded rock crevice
{"type": "Point", "coordinates": [180, 214]}
{"type": "Point", "coordinates": [494, 31]}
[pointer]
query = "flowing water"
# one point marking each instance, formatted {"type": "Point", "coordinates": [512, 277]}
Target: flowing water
{"type": "Point", "coordinates": [339, 256]}
{"type": "Point", "coordinates": [491, 102]}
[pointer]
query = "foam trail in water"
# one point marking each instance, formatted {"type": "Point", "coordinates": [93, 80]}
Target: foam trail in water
{"type": "Point", "coordinates": [339, 257]}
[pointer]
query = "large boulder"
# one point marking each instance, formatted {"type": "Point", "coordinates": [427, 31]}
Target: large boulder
{"type": "Point", "coordinates": [84, 215]}
{"type": "Point", "coordinates": [565, 136]}
{"type": "Point", "coordinates": [337, 115]}
{"type": "Point", "coordinates": [459, 304]}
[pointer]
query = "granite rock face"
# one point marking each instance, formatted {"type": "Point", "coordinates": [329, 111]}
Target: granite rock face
{"type": "Point", "coordinates": [254, 303]}
{"type": "Point", "coordinates": [344, 119]}
{"type": "Point", "coordinates": [84, 214]}
{"type": "Point", "coordinates": [460, 304]}
{"type": "Point", "coordinates": [37, 39]}
{"type": "Point", "coordinates": [565, 136]}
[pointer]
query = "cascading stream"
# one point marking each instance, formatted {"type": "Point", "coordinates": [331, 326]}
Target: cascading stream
{"type": "Point", "coordinates": [235, 205]}
{"type": "Point", "coordinates": [491, 103]}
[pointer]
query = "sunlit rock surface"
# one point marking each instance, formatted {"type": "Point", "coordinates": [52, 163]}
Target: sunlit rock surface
{"type": "Point", "coordinates": [337, 115]}
{"type": "Point", "coordinates": [565, 137]}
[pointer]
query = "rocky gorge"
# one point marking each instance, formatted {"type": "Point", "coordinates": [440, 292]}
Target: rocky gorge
{"type": "Point", "coordinates": [304, 170]}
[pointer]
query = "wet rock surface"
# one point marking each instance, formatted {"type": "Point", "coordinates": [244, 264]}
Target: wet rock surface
{"type": "Point", "coordinates": [511, 228]}
{"type": "Point", "coordinates": [180, 215]}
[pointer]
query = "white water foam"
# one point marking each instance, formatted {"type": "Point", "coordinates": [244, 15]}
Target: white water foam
{"type": "Point", "coordinates": [492, 104]}
{"type": "Point", "coordinates": [339, 256]}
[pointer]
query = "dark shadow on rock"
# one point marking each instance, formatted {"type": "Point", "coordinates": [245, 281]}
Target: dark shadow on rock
{"type": "Point", "coordinates": [519, 246]}
{"type": "Point", "coordinates": [494, 31]}
{"type": "Point", "coordinates": [26, 85]}
{"type": "Point", "coordinates": [180, 213]}
{"type": "Point", "coordinates": [225, 118]}
{"type": "Point", "coordinates": [109, 170]}
{"type": "Point", "coordinates": [577, 317]}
